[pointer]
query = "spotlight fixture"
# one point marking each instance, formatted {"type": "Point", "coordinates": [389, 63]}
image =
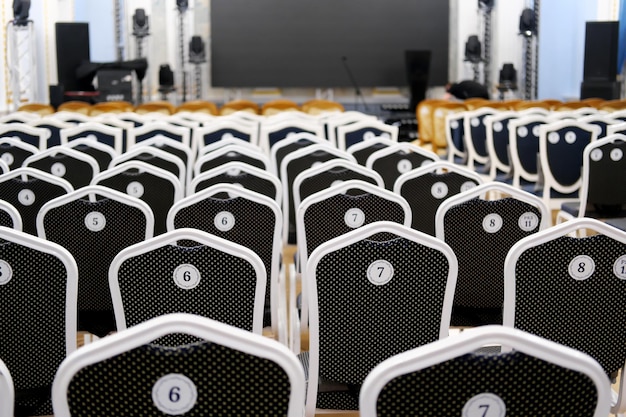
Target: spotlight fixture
{"type": "Point", "coordinates": [166, 78]}
{"type": "Point", "coordinates": [473, 50]}
{"type": "Point", "coordinates": [182, 5]}
{"type": "Point", "coordinates": [141, 23]}
{"type": "Point", "coordinates": [486, 4]}
{"type": "Point", "coordinates": [197, 51]}
{"type": "Point", "coordinates": [20, 12]}
{"type": "Point", "coordinates": [508, 77]}
{"type": "Point", "coordinates": [527, 23]}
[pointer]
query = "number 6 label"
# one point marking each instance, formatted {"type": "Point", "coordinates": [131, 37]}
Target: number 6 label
{"type": "Point", "coordinates": [186, 276]}
{"type": "Point", "coordinates": [224, 221]}
{"type": "Point", "coordinates": [484, 405]}
{"type": "Point", "coordinates": [174, 394]}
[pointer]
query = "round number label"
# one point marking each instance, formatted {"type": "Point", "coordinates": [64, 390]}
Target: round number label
{"type": "Point", "coordinates": [484, 405]}
{"type": "Point", "coordinates": [91, 136]}
{"type": "Point", "coordinates": [380, 272]}
{"type": "Point", "coordinates": [454, 124]}
{"type": "Point", "coordinates": [174, 394]}
{"type": "Point", "coordinates": [619, 268]}
{"type": "Point", "coordinates": [8, 158]}
{"type": "Point", "coordinates": [467, 185]}
{"type": "Point", "coordinates": [224, 221]}
{"type": "Point", "coordinates": [522, 131]}
{"type": "Point", "coordinates": [6, 272]}
{"type": "Point", "coordinates": [135, 189]}
{"type": "Point", "coordinates": [596, 155]}
{"type": "Point", "coordinates": [404, 165]}
{"type": "Point", "coordinates": [227, 135]}
{"type": "Point", "coordinates": [336, 182]}
{"type": "Point", "coordinates": [233, 172]}
{"type": "Point", "coordinates": [95, 221]}
{"type": "Point", "coordinates": [58, 169]}
{"type": "Point", "coordinates": [26, 197]}
{"type": "Point", "coordinates": [439, 190]}
{"type": "Point", "coordinates": [553, 138]}
{"type": "Point", "coordinates": [570, 137]}
{"type": "Point", "coordinates": [424, 110]}
{"type": "Point", "coordinates": [369, 135]}
{"type": "Point", "coordinates": [475, 122]}
{"type": "Point", "coordinates": [186, 276]}
{"type": "Point", "coordinates": [536, 131]}
{"type": "Point", "coordinates": [492, 223]}
{"type": "Point", "coordinates": [617, 154]}
{"type": "Point", "coordinates": [497, 127]}
{"type": "Point", "coordinates": [581, 267]}
{"type": "Point", "coordinates": [528, 221]}
{"type": "Point", "coordinates": [354, 218]}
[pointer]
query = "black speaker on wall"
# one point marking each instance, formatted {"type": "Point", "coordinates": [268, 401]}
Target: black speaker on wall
{"type": "Point", "coordinates": [417, 71]}
{"type": "Point", "coordinates": [72, 50]}
{"type": "Point", "coordinates": [601, 45]}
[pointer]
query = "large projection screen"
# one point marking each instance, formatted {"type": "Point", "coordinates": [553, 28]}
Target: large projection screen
{"type": "Point", "coordinates": [317, 43]}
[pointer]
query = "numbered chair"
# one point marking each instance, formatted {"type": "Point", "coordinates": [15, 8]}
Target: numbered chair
{"type": "Point", "coordinates": [28, 189]}
{"type": "Point", "coordinates": [427, 187]}
{"type": "Point", "coordinates": [452, 377]}
{"type": "Point", "coordinates": [156, 157]}
{"type": "Point", "coordinates": [561, 147]}
{"type": "Point", "coordinates": [329, 173]}
{"type": "Point", "coordinates": [54, 126]}
{"type": "Point", "coordinates": [70, 116]}
{"type": "Point", "coordinates": [572, 290]}
{"type": "Point", "coordinates": [272, 133]}
{"type": "Point", "coordinates": [239, 173]}
{"type": "Point", "coordinates": [38, 287]}
{"type": "Point", "coordinates": [157, 187]}
{"type": "Point", "coordinates": [148, 130]}
{"type": "Point", "coordinates": [393, 161]}
{"type": "Point", "coordinates": [9, 216]}
{"type": "Point", "coordinates": [291, 166]}
{"type": "Point", "coordinates": [13, 151]}
{"type": "Point", "coordinates": [481, 225]}
{"type": "Point", "coordinates": [7, 391]}
{"type": "Point", "coordinates": [349, 134]}
{"type": "Point", "coordinates": [229, 153]}
{"type": "Point", "coordinates": [603, 180]}
{"type": "Point", "coordinates": [75, 167]}
{"type": "Point", "coordinates": [291, 143]}
{"type": "Point", "coordinates": [35, 136]}
{"type": "Point", "coordinates": [340, 119]}
{"type": "Point", "coordinates": [619, 128]}
{"type": "Point", "coordinates": [248, 219]}
{"type": "Point", "coordinates": [175, 148]}
{"type": "Point", "coordinates": [362, 150]}
{"type": "Point", "coordinates": [601, 120]}
{"type": "Point", "coordinates": [365, 288]}
{"type": "Point", "coordinates": [249, 374]}
{"type": "Point", "coordinates": [19, 117]}
{"type": "Point", "coordinates": [524, 148]}
{"type": "Point", "coordinates": [188, 271]}
{"type": "Point", "coordinates": [338, 210]}
{"type": "Point", "coordinates": [218, 130]}
{"type": "Point", "coordinates": [476, 138]}
{"type": "Point", "coordinates": [103, 154]}
{"type": "Point", "coordinates": [497, 131]}
{"type": "Point", "coordinates": [94, 224]}
{"type": "Point", "coordinates": [454, 129]}
{"type": "Point", "coordinates": [109, 135]}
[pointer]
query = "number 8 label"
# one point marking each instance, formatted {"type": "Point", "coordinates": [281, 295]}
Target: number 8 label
{"type": "Point", "coordinates": [174, 394]}
{"type": "Point", "coordinates": [581, 267]}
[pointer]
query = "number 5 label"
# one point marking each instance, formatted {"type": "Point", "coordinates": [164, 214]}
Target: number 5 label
{"type": "Point", "coordinates": [484, 405]}
{"type": "Point", "coordinates": [174, 394]}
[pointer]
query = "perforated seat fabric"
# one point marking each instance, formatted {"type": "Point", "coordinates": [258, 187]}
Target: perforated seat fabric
{"type": "Point", "coordinates": [43, 191]}
{"type": "Point", "coordinates": [391, 166]}
{"type": "Point", "coordinates": [94, 251]}
{"type": "Point", "coordinates": [587, 315]}
{"type": "Point", "coordinates": [325, 219]}
{"type": "Point", "coordinates": [325, 179]}
{"type": "Point", "coordinates": [103, 158]}
{"type": "Point", "coordinates": [77, 172]}
{"type": "Point", "coordinates": [228, 382]}
{"type": "Point", "coordinates": [362, 154]}
{"type": "Point", "coordinates": [278, 135]}
{"type": "Point", "coordinates": [226, 291]}
{"type": "Point", "coordinates": [528, 386]}
{"type": "Point", "coordinates": [481, 254]}
{"type": "Point", "coordinates": [33, 307]}
{"type": "Point", "coordinates": [424, 200]}
{"type": "Point", "coordinates": [158, 192]}
{"type": "Point", "coordinates": [253, 228]}
{"type": "Point", "coordinates": [247, 180]}
{"type": "Point", "coordinates": [16, 156]}
{"type": "Point", "coordinates": [230, 157]}
{"type": "Point", "coordinates": [5, 219]}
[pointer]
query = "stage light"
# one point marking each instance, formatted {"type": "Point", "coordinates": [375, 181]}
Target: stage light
{"type": "Point", "coordinates": [141, 23]}
{"type": "Point", "coordinates": [197, 51]}
{"type": "Point", "coordinates": [182, 5]}
{"type": "Point", "coordinates": [486, 4]}
{"type": "Point", "coordinates": [20, 12]}
{"type": "Point", "coordinates": [527, 23]}
{"type": "Point", "coordinates": [508, 77]}
{"type": "Point", "coordinates": [473, 49]}
{"type": "Point", "coordinates": [166, 78]}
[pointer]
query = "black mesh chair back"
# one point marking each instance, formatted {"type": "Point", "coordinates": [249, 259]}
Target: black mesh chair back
{"type": "Point", "coordinates": [75, 167]}
{"type": "Point", "coordinates": [53, 126]}
{"type": "Point", "coordinates": [427, 187]}
{"type": "Point", "coordinates": [13, 151]}
{"type": "Point", "coordinates": [230, 153]}
{"type": "Point", "coordinates": [109, 135]}
{"type": "Point", "coordinates": [7, 391]}
{"type": "Point", "coordinates": [28, 189]}
{"type": "Point", "coordinates": [571, 290]}
{"type": "Point", "coordinates": [364, 287]}
{"type": "Point", "coordinates": [225, 129]}
{"type": "Point", "coordinates": [363, 130]}
{"type": "Point", "coordinates": [38, 305]}
{"type": "Point", "coordinates": [362, 150]}
{"type": "Point", "coordinates": [228, 371]}
{"type": "Point", "coordinates": [35, 136]}
{"type": "Point", "coordinates": [393, 161]}
{"type": "Point", "coordinates": [455, 377]}
{"type": "Point", "coordinates": [524, 149]}
{"type": "Point", "coordinates": [156, 157]}
{"type": "Point", "coordinates": [272, 133]}
{"type": "Point", "coordinates": [188, 271]}
{"type": "Point", "coordinates": [173, 147]}
{"type": "Point", "coordinates": [103, 154]}
{"type": "Point", "coordinates": [94, 224]}
{"type": "Point", "coordinates": [291, 144]}
{"type": "Point", "coordinates": [481, 232]}
{"type": "Point", "coordinates": [157, 187]}
{"type": "Point", "coordinates": [9, 216]}
{"type": "Point", "coordinates": [159, 128]}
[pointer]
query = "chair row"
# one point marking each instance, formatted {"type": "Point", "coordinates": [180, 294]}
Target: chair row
{"type": "Point", "coordinates": [250, 374]}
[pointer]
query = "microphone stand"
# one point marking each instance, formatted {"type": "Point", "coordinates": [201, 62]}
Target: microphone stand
{"type": "Point", "coordinates": [357, 90]}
